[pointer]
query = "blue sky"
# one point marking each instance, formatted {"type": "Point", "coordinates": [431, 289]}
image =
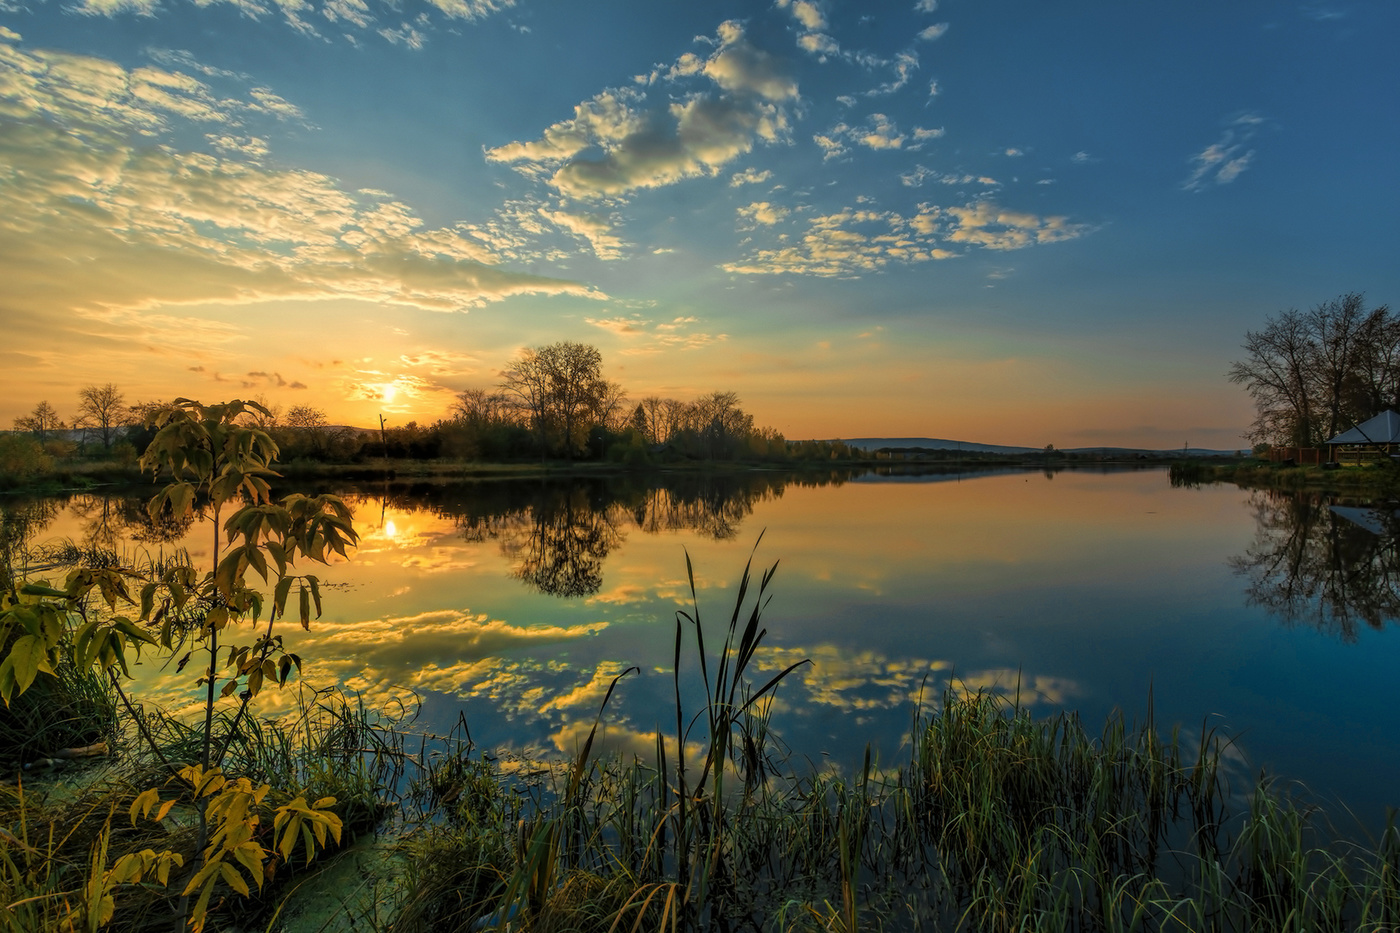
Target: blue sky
{"type": "Point", "coordinates": [1007, 222]}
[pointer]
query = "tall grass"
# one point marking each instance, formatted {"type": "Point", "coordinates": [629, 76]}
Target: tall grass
{"type": "Point", "coordinates": [998, 821]}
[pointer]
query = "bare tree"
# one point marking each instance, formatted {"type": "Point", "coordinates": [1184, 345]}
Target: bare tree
{"type": "Point", "coordinates": [102, 408]}
{"type": "Point", "coordinates": [480, 406]}
{"type": "Point", "coordinates": [310, 424]}
{"type": "Point", "coordinates": [40, 422]}
{"type": "Point", "coordinates": [1313, 375]}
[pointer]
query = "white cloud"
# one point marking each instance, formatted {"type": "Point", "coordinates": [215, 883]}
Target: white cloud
{"type": "Point", "coordinates": [878, 132]}
{"type": "Point", "coordinates": [933, 89]}
{"type": "Point", "coordinates": [1223, 160]}
{"type": "Point", "coordinates": [904, 64]}
{"type": "Point", "coordinates": [852, 242]}
{"type": "Point", "coordinates": [596, 230]}
{"type": "Point", "coordinates": [1014, 153]}
{"type": "Point", "coordinates": [926, 6]}
{"type": "Point", "coordinates": [762, 212]}
{"type": "Point", "coordinates": [819, 44]}
{"type": "Point", "coordinates": [150, 225]}
{"type": "Point", "coordinates": [935, 31]}
{"type": "Point", "coordinates": [694, 136]}
{"type": "Point", "coordinates": [806, 13]}
{"type": "Point", "coordinates": [353, 13]}
{"type": "Point", "coordinates": [749, 176]}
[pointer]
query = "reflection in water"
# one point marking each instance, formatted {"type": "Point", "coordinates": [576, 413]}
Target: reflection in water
{"type": "Point", "coordinates": [1330, 566]}
{"type": "Point", "coordinates": [557, 535]}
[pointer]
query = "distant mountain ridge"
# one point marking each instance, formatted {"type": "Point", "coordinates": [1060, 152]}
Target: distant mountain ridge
{"type": "Point", "coordinates": [939, 443]}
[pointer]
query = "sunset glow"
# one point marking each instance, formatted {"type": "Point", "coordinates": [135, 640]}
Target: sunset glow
{"type": "Point", "coordinates": [1006, 223]}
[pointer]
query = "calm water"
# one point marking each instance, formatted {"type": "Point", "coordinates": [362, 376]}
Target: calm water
{"type": "Point", "coordinates": [516, 603]}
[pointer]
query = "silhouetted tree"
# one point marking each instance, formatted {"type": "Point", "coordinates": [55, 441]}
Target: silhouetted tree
{"type": "Point", "coordinates": [1313, 375]}
{"type": "Point", "coordinates": [102, 408]}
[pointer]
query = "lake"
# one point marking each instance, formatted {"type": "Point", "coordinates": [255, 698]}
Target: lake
{"type": "Point", "coordinates": [514, 603]}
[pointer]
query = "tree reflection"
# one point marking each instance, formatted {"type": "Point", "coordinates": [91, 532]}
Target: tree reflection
{"type": "Point", "coordinates": [557, 534]}
{"type": "Point", "coordinates": [1334, 567]}
{"type": "Point", "coordinates": [560, 546]}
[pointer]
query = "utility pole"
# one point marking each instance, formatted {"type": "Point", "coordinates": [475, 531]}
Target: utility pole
{"type": "Point", "coordinates": [383, 439]}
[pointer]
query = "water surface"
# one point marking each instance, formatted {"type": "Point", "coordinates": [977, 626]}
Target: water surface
{"type": "Point", "coordinates": [515, 603]}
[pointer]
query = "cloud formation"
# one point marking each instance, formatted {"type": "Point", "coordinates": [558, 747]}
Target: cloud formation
{"type": "Point", "coordinates": [644, 146]}
{"type": "Point", "coordinates": [851, 242]}
{"type": "Point", "coordinates": [304, 16]}
{"type": "Point", "coordinates": [1223, 160]}
{"type": "Point", "coordinates": [97, 218]}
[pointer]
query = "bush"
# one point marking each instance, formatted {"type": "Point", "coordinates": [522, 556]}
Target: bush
{"type": "Point", "coordinates": [22, 459]}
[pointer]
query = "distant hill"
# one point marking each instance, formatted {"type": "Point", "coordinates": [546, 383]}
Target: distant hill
{"type": "Point", "coordinates": [939, 443]}
{"type": "Point", "coordinates": [935, 443]}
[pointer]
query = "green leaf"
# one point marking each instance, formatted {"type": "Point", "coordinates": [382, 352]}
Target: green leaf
{"type": "Point", "coordinates": [26, 654]}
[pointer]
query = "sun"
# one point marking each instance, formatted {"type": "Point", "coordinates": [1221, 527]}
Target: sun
{"type": "Point", "coordinates": [388, 390]}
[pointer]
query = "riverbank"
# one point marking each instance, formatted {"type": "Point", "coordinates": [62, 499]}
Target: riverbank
{"type": "Point", "coordinates": [85, 475]}
{"type": "Point", "coordinates": [1372, 481]}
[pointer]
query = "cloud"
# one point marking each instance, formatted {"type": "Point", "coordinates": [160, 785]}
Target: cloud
{"type": "Point", "coordinates": [301, 15]}
{"type": "Point", "coordinates": [761, 212]}
{"type": "Point", "coordinates": [904, 64]}
{"type": "Point", "coordinates": [645, 147]}
{"type": "Point", "coordinates": [926, 6]}
{"type": "Point", "coordinates": [879, 132]}
{"type": "Point", "coordinates": [621, 326]}
{"type": "Point", "coordinates": [819, 44]}
{"type": "Point", "coordinates": [1225, 159]}
{"type": "Point", "coordinates": [935, 31]}
{"type": "Point", "coordinates": [749, 176]}
{"type": "Point", "coordinates": [984, 224]}
{"type": "Point", "coordinates": [853, 242]}
{"type": "Point", "coordinates": [805, 12]}
{"type": "Point", "coordinates": [95, 226]}
{"type": "Point", "coordinates": [596, 230]}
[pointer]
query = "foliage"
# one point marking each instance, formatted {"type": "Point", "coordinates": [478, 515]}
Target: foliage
{"type": "Point", "coordinates": [22, 459]}
{"type": "Point", "coordinates": [41, 422]}
{"type": "Point", "coordinates": [103, 615]}
{"type": "Point", "coordinates": [1313, 375]}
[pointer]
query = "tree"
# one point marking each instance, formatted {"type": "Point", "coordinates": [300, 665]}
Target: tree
{"type": "Point", "coordinates": [561, 390]}
{"type": "Point", "coordinates": [102, 408]}
{"type": "Point", "coordinates": [309, 424]}
{"type": "Point", "coordinates": [1315, 374]}
{"type": "Point", "coordinates": [40, 422]}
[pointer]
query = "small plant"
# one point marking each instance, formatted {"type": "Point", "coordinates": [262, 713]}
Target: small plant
{"type": "Point", "coordinates": [214, 461]}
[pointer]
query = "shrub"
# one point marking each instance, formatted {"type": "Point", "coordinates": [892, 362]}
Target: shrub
{"type": "Point", "coordinates": [22, 459]}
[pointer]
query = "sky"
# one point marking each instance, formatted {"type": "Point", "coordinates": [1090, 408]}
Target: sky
{"type": "Point", "coordinates": [999, 221]}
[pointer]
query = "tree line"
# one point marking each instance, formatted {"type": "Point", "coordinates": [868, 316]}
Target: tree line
{"type": "Point", "coordinates": [1314, 374]}
{"type": "Point", "coordinates": [551, 402]}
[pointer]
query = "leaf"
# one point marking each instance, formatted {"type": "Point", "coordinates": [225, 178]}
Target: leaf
{"type": "Point", "coordinates": [305, 608]}
{"type": "Point", "coordinates": [234, 879]}
{"type": "Point", "coordinates": [42, 589]}
{"type": "Point", "coordinates": [143, 803]}
{"type": "Point", "coordinates": [25, 656]}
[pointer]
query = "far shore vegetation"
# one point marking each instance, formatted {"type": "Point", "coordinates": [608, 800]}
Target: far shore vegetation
{"type": "Point", "coordinates": [553, 411]}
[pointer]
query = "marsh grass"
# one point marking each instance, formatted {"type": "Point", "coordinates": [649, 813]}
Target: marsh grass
{"type": "Point", "coordinates": [998, 821]}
